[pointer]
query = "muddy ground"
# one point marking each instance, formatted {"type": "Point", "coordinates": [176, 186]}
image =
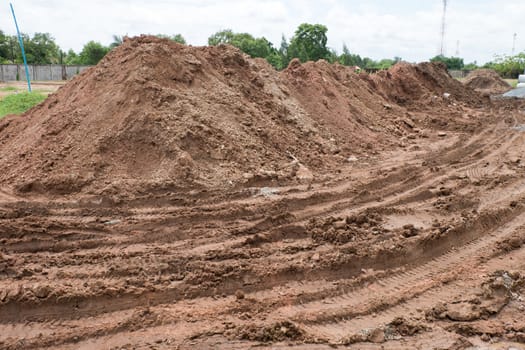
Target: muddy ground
{"type": "Point", "coordinates": [420, 248]}
{"type": "Point", "coordinates": [416, 245]}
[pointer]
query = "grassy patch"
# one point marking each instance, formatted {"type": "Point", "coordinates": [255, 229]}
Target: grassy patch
{"type": "Point", "coordinates": [19, 103]}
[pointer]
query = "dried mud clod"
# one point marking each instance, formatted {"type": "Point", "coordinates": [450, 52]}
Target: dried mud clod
{"type": "Point", "coordinates": [399, 328]}
{"type": "Point", "coordinates": [339, 230]}
{"type": "Point", "coordinates": [495, 293]}
{"type": "Point", "coordinates": [278, 332]}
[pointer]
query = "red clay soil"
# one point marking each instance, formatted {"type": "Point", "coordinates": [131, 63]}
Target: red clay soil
{"type": "Point", "coordinates": [175, 197]}
{"type": "Point", "coordinates": [422, 85]}
{"type": "Point", "coordinates": [156, 115]}
{"type": "Point", "coordinates": [486, 81]}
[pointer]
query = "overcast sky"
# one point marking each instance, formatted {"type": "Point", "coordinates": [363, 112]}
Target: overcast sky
{"type": "Point", "coordinates": [375, 28]}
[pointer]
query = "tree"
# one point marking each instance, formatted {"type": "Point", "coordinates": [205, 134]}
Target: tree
{"type": "Point", "coordinates": [471, 66]}
{"type": "Point", "coordinates": [309, 43]}
{"type": "Point", "coordinates": [255, 47]}
{"type": "Point", "coordinates": [385, 63]}
{"type": "Point", "coordinates": [71, 57]}
{"type": "Point", "coordinates": [117, 41]}
{"type": "Point", "coordinates": [221, 37]}
{"type": "Point", "coordinates": [453, 63]}
{"type": "Point", "coordinates": [179, 39]}
{"type": "Point", "coordinates": [283, 53]}
{"type": "Point", "coordinates": [42, 49]}
{"type": "Point", "coordinates": [508, 66]}
{"type": "Point", "coordinates": [92, 53]}
{"type": "Point", "coordinates": [5, 47]}
{"type": "Point", "coordinates": [349, 59]}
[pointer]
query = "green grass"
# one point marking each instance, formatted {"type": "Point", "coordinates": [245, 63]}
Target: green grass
{"type": "Point", "coordinates": [19, 103]}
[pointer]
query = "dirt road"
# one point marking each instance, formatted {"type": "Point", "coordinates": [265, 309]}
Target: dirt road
{"type": "Point", "coordinates": [414, 249]}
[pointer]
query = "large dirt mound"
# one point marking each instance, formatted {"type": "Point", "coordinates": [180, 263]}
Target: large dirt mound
{"type": "Point", "coordinates": [157, 115]}
{"type": "Point", "coordinates": [340, 99]}
{"type": "Point", "coordinates": [421, 85]}
{"type": "Point", "coordinates": [486, 81]}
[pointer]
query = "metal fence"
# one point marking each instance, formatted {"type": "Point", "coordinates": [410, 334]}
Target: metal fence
{"type": "Point", "coordinates": [14, 72]}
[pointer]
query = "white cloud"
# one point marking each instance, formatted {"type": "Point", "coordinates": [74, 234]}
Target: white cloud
{"type": "Point", "coordinates": [374, 28]}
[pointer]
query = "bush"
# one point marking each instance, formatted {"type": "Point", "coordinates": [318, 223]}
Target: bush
{"type": "Point", "coordinates": [508, 66]}
{"type": "Point", "coordinates": [19, 103]}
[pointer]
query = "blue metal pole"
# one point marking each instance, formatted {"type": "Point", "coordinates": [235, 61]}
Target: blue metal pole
{"type": "Point", "coordinates": [21, 48]}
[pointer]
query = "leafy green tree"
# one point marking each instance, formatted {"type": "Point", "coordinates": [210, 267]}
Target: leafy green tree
{"type": "Point", "coordinates": [369, 63]}
{"type": "Point", "coordinates": [332, 56]}
{"type": "Point", "coordinates": [92, 53]}
{"type": "Point", "coordinates": [349, 59]}
{"type": "Point", "coordinates": [471, 66]}
{"type": "Point", "coordinates": [221, 37]}
{"type": "Point", "coordinates": [5, 47]}
{"type": "Point", "coordinates": [255, 47]}
{"type": "Point", "coordinates": [283, 53]}
{"type": "Point", "coordinates": [508, 66]}
{"type": "Point", "coordinates": [454, 63]}
{"type": "Point", "coordinates": [309, 43]}
{"type": "Point", "coordinates": [42, 49]}
{"type": "Point", "coordinates": [179, 39]}
{"type": "Point", "coordinates": [385, 63]}
{"type": "Point", "coordinates": [276, 60]}
{"type": "Point", "coordinates": [71, 57]}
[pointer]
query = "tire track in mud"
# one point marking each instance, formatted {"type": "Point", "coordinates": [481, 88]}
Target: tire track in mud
{"type": "Point", "coordinates": [410, 299]}
{"type": "Point", "coordinates": [90, 306]}
{"type": "Point", "coordinates": [392, 189]}
{"type": "Point", "coordinates": [387, 289]}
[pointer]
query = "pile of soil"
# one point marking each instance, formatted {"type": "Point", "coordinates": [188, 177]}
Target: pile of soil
{"type": "Point", "coordinates": [486, 81]}
{"type": "Point", "coordinates": [155, 115]}
{"type": "Point", "coordinates": [421, 86]}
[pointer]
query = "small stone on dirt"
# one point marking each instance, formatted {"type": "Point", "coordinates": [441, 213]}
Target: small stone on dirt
{"type": "Point", "coordinates": [42, 292]}
{"type": "Point", "coordinates": [112, 222]}
{"type": "Point", "coordinates": [316, 257]}
{"type": "Point", "coordinates": [239, 294]}
{"type": "Point", "coordinates": [339, 225]}
{"type": "Point", "coordinates": [377, 336]}
{"type": "Point", "coordinates": [442, 134]}
{"type": "Point", "coordinates": [463, 312]}
{"type": "Point", "coordinates": [268, 191]}
{"type": "Point", "coordinates": [304, 174]}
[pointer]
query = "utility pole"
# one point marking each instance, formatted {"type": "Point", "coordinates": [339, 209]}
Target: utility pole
{"type": "Point", "coordinates": [457, 48]}
{"type": "Point", "coordinates": [514, 43]}
{"type": "Point", "coordinates": [443, 28]}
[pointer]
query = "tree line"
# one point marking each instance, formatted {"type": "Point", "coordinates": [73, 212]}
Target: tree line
{"type": "Point", "coordinates": [308, 43]}
{"type": "Point", "coordinates": [41, 48]}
